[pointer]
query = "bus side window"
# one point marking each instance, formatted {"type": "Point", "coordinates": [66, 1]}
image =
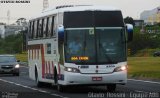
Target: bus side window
{"type": "Point", "coordinates": [39, 28]}
{"type": "Point", "coordinates": [35, 29]}
{"type": "Point", "coordinates": [32, 29]}
{"type": "Point", "coordinates": [44, 27]}
{"type": "Point", "coordinates": [37, 34]}
{"type": "Point", "coordinates": [52, 27]}
{"type": "Point", "coordinates": [49, 26]}
{"type": "Point", "coordinates": [29, 30]}
{"type": "Point", "coordinates": [41, 34]}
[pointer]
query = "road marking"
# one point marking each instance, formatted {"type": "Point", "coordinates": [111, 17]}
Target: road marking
{"type": "Point", "coordinates": [140, 91]}
{"type": "Point", "coordinates": [42, 91]}
{"type": "Point", "coordinates": [24, 72]}
{"type": "Point", "coordinates": [144, 81]}
{"type": "Point", "coordinates": [24, 66]}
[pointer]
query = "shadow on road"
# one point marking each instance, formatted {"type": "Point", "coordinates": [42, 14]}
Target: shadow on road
{"type": "Point", "coordinates": [7, 75]}
{"type": "Point", "coordinates": [81, 89]}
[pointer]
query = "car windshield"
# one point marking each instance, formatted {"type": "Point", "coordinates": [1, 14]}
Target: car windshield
{"type": "Point", "coordinates": [95, 46]}
{"type": "Point", "coordinates": [4, 59]}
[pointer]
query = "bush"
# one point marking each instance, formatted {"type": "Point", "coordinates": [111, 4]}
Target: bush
{"type": "Point", "coordinates": [143, 41]}
{"type": "Point", "coordinates": [146, 52]}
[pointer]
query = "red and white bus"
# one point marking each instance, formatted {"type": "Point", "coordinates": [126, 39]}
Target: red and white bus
{"type": "Point", "coordinates": [79, 45]}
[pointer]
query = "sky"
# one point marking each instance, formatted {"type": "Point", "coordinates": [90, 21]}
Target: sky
{"type": "Point", "coordinates": [131, 8]}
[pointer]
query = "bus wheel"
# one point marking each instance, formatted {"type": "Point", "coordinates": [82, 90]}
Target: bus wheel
{"type": "Point", "coordinates": [111, 87]}
{"type": "Point", "coordinates": [38, 83]}
{"type": "Point", "coordinates": [60, 88]}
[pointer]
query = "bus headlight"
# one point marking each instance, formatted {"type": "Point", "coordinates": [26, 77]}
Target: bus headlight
{"type": "Point", "coordinates": [17, 66]}
{"type": "Point", "coordinates": [120, 68]}
{"type": "Point", "coordinates": [69, 69]}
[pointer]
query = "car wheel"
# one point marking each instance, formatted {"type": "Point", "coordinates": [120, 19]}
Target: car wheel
{"type": "Point", "coordinates": [111, 87]}
{"type": "Point", "coordinates": [16, 74]}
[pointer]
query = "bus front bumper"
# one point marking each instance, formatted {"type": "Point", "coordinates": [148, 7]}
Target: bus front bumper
{"type": "Point", "coordinates": [92, 79]}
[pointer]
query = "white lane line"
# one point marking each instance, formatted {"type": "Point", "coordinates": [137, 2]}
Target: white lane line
{"type": "Point", "coordinates": [144, 81]}
{"type": "Point", "coordinates": [42, 91]}
{"type": "Point", "coordinates": [24, 66]}
{"type": "Point", "coordinates": [23, 72]}
{"type": "Point", "coordinates": [140, 91]}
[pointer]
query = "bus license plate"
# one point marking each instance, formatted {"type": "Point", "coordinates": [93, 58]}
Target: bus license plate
{"type": "Point", "coordinates": [96, 78]}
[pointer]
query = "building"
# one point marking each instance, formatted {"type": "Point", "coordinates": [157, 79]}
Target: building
{"type": "Point", "coordinates": [139, 23]}
{"type": "Point", "coordinates": [12, 29]}
{"type": "Point", "coordinates": [6, 30]}
{"type": "Point", "coordinates": [151, 17]}
{"type": "Point", "coordinates": [2, 30]}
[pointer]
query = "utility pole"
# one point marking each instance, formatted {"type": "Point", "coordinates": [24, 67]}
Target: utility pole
{"type": "Point", "coordinates": [45, 4]}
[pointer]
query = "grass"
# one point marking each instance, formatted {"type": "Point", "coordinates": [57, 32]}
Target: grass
{"type": "Point", "coordinates": [144, 67]}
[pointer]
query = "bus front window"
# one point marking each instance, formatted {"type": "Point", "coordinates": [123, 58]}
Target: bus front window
{"type": "Point", "coordinates": [111, 45]}
{"type": "Point", "coordinates": [79, 47]}
{"type": "Point", "coordinates": [99, 46]}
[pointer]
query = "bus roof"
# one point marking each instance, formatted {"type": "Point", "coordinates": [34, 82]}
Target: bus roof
{"type": "Point", "coordinates": [73, 8]}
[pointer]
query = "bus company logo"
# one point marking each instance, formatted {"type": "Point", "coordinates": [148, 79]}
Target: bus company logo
{"type": "Point", "coordinates": [14, 1]}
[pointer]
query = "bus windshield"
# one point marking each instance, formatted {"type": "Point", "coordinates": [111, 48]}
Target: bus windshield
{"type": "Point", "coordinates": [95, 46]}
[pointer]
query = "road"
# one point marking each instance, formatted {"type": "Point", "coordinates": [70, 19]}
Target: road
{"type": "Point", "coordinates": [23, 87]}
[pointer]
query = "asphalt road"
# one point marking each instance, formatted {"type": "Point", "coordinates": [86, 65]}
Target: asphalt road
{"type": "Point", "coordinates": [23, 87]}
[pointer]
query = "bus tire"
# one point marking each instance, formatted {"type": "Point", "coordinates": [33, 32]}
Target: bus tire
{"type": "Point", "coordinates": [60, 88]}
{"type": "Point", "coordinates": [38, 83]}
{"type": "Point", "coordinates": [111, 87]}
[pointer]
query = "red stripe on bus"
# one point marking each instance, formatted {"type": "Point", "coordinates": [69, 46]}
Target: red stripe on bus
{"type": "Point", "coordinates": [38, 54]}
{"type": "Point", "coordinates": [35, 54]}
{"type": "Point", "coordinates": [35, 46]}
{"type": "Point", "coordinates": [59, 69]}
{"type": "Point", "coordinates": [43, 60]}
{"type": "Point", "coordinates": [46, 67]}
{"type": "Point", "coordinates": [49, 67]}
{"type": "Point", "coordinates": [32, 54]}
{"type": "Point", "coordinates": [52, 67]}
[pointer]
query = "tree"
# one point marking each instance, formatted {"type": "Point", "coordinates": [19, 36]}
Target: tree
{"type": "Point", "coordinates": [11, 44]}
{"type": "Point", "coordinates": [129, 20]}
{"type": "Point", "coordinates": [158, 24]}
{"type": "Point", "coordinates": [1, 23]}
{"type": "Point", "coordinates": [21, 21]}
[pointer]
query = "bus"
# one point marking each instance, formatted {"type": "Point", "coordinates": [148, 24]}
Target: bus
{"type": "Point", "coordinates": [79, 45]}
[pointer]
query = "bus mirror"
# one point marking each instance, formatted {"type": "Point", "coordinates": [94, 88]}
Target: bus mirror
{"type": "Point", "coordinates": [129, 28]}
{"type": "Point", "coordinates": [61, 33]}
{"type": "Point", "coordinates": [60, 29]}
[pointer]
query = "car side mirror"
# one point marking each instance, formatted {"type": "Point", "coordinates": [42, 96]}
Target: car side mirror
{"type": "Point", "coordinates": [18, 60]}
{"type": "Point", "coordinates": [129, 28]}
